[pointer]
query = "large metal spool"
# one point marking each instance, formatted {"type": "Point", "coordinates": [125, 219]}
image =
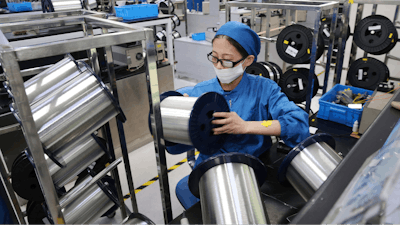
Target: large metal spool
{"type": "Point", "coordinates": [309, 164]}
{"type": "Point", "coordinates": [97, 200]}
{"type": "Point", "coordinates": [80, 106]}
{"type": "Point", "coordinates": [187, 120]}
{"type": "Point", "coordinates": [75, 158]}
{"type": "Point", "coordinates": [228, 188]}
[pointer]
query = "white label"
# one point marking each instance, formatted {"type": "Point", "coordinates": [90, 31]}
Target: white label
{"type": "Point", "coordinates": [355, 106]}
{"type": "Point", "coordinates": [377, 27]}
{"type": "Point", "coordinates": [291, 51]}
{"type": "Point", "coordinates": [300, 81]}
{"type": "Point", "coordinates": [159, 35]}
{"type": "Point", "coordinates": [313, 130]}
{"type": "Point", "coordinates": [326, 32]}
{"type": "Point", "coordinates": [360, 74]}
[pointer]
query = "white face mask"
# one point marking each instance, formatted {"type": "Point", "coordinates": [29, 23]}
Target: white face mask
{"type": "Point", "coordinates": [226, 76]}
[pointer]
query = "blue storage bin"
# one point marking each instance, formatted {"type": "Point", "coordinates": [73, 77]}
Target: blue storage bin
{"type": "Point", "coordinates": [133, 12]}
{"type": "Point", "coordinates": [339, 113]}
{"type": "Point", "coordinates": [199, 36]}
{"type": "Point", "coordinates": [19, 7]}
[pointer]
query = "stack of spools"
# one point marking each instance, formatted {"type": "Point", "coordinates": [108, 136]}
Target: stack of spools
{"type": "Point", "coordinates": [268, 70]}
{"type": "Point", "coordinates": [162, 35]}
{"type": "Point", "coordinates": [69, 103]}
{"type": "Point", "coordinates": [376, 35]}
{"type": "Point", "coordinates": [294, 46]}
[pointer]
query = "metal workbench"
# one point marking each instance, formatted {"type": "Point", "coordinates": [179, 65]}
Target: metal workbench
{"type": "Point", "coordinates": [120, 33]}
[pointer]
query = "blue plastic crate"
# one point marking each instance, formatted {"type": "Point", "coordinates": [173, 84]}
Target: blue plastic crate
{"type": "Point", "coordinates": [133, 12]}
{"type": "Point", "coordinates": [19, 6]}
{"type": "Point", "coordinates": [199, 36]}
{"type": "Point", "coordinates": [339, 113]}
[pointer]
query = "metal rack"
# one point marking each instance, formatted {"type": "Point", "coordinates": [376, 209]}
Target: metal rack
{"type": "Point", "coordinates": [288, 6]}
{"type": "Point", "coordinates": [360, 9]}
{"type": "Point", "coordinates": [113, 33]}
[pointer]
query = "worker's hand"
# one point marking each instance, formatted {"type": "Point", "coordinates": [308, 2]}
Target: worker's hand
{"type": "Point", "coordinates": [185, 95]}
{"type": "Point", "coordinates": [232, 123]}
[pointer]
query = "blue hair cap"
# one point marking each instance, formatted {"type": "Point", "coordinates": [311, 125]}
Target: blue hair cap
{"type": "Point", "coordinates": [243, 35]}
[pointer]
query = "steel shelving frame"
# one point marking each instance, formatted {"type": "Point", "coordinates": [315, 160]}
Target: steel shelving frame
{"type": "Point", "coordinates": [113, 33]}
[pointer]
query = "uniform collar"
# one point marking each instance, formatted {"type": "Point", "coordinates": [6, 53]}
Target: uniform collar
{"type": "Point", "coordinates": [242, 84]}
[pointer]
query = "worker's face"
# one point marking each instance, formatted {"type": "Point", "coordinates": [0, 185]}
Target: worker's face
{"type": "Point", "coordinates": [223, 50]}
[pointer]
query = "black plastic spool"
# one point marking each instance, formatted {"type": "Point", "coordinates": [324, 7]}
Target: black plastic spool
{"type": "Point", "coordinates": [25, 182]}
{"type": "Point", "coordinates": [376, 70]}
{"type": "Point", "coordinates": [259, 169]}
{"type": "Point", "coordinates": [303, 37]}
{"type": "Point", "coordinates": [328, 139]}
{"type": "Point", "coordinates": [339, 26]}
{"type": "Point", "coordinates": [294, 93]}
{"type": "Point", "coordinates": [382, 41]}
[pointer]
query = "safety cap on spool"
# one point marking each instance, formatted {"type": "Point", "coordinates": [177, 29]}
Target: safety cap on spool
{"type": "Point", "coordinates": [200, 126]}
{"type": "Point", "coordinates": [259, 169]}
{"type": "Point", "coordinates": [328, 139]}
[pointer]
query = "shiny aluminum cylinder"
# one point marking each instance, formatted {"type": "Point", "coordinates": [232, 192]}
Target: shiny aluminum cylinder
{"type": "Point", "coordinates": [88, 206]}
{"type": "Point", "coordinates": [137, 218]}
{"type": "Point", "coordinates": [76, 158]}
{"type": "Point", "coordinates": [81, 107]}
{"type": "Point", "coordinates": [175, 114]}
{"type": "Point", "coordinates": [309, 164]}
{"type": "Point", "coordinates": [313, 164]}
{"type": "Point", "coordinates": [228, 187]}
{"type": "Point", "coordinates": [51, 79]}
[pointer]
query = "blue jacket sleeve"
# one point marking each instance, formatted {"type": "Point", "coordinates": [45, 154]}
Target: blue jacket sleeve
{"type": "Point", "coordinates": [293, 119]}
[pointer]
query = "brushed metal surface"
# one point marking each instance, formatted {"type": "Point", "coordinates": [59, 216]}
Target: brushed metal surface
{"type": "Point", "coordinates": [175, 114]}
{"type": "Point", "coordinates": [312, 167]}
{"type": "Point", "coordinates": [230, 195]}
{"type": "Point", "coordinates": [51, 79]}
{"type": "Point", "coordinates": [77, 157]}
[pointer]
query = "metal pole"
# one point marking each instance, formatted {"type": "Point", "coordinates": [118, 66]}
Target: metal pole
{"type": "Point", "coordinates": [287, 22]}
{"type": "Point", "coordinates": [114, 173]}
{"type": "Point", "coordinates": [342, 44]}
{"type": "Point", "coordinates": [253, 19]}
{"type": "Point", "coordinates": [158, 136]}
{"type": "Point", "coordinates": [227, 12]}
{"type": "Point", "coordinates": [170, 47]}
{"type": "Point", "coordinates": [267, 34]}
{"type": "Point", "coordinates": [313, 60]}
{"type": "Point", "coordinates": [353, 54]}
{"type": "Point", "coordinates": [120, 126]}
{"type": "Point", "coordinates": [91, 53]}
{"type": "Point", "coordinates": [10, 65]}
{"type": "Point", "coordinates": [330, 49]}
{"type": "Point", "coordinates": [186, 18]}
{"type": "Point", "coordinates": [396, 15]}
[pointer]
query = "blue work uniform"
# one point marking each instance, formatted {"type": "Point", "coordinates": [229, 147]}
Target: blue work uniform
{"type": "Point", "coordinates": [256, 99]}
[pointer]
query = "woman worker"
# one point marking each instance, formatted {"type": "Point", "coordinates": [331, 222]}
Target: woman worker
{"type": "Point", "coordinates": [258, 108]}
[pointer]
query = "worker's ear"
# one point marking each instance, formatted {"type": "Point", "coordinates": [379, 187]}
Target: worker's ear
{"type": "Point", "coordinates": [248, 61]}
